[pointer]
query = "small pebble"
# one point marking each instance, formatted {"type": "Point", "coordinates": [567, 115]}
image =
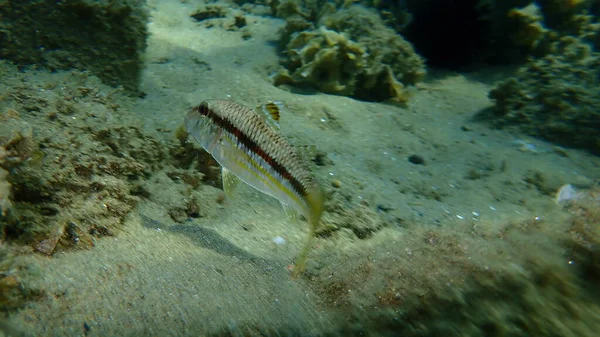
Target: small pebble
{"type": "Point", "coordinates": [336, 183]}
{"type": "Point", "coordinates": [416, 159]}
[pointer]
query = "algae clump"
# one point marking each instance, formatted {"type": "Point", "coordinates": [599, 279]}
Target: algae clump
{"type": "Point", "coordinates": [351, 53]}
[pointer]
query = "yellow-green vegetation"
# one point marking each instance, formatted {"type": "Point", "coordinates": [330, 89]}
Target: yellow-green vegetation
{"type": "Point", "coordinates": [529, 31]}
{"type": "Point", "coordinates": [351, 53]}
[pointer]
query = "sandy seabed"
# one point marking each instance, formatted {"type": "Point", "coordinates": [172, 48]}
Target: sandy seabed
{"type": "Point", "coordinates": [407, 242]}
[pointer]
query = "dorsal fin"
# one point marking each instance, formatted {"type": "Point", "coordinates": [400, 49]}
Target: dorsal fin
{"type": "Point", "coordinates": [271, 111]}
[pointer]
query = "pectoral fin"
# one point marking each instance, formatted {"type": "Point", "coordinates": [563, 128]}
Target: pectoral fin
{"type": "Point", "coordinates": [230, 182]}
{"type": "Point", "coordinates": [290, 212]}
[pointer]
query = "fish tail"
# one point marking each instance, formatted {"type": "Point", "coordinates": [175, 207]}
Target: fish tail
{"type": "Point", "coordinates": [316, 203]}
{"type": "Point", "coordinates": [300, 263]}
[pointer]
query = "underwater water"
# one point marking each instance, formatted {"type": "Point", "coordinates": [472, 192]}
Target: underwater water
{"type": "Point", "coordinates": [438, 168]}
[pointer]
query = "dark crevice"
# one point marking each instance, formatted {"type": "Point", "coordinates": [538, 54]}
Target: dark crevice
{"type": "Point", "coordinates": [450, 34]}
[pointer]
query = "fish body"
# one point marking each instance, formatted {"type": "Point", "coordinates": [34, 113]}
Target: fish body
{"type": "Point", "coordinates": [248, 147]}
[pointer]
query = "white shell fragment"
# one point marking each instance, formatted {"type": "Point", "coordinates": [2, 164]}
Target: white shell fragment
{"type": "Point", "coordinates": [569, 193]}
{"type": "Point", "coordinates": [279, 240]}
{"type": "Point", "coordinates": [565, 193]}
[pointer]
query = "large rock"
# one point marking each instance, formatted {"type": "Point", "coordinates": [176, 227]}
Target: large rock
{"type": "Point", "coordinates": [107, 38]}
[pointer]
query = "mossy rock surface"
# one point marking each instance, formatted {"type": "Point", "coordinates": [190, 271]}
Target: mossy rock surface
{"type": "Point", "coordinates": [555, 97]}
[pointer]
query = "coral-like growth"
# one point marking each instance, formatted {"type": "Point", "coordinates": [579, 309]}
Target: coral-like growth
{"type": "Point", "coordinates": [325, 59]}
{"type": "Point", "coordinates": [352, 53]}
{"type": "Point", "coordinates": [522, 28]}
{"type": "Point", "coordinates": [554, 97]}
{"type": "Point", "coordinates": [529, 30]}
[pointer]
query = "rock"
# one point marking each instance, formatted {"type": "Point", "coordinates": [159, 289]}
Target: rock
{"type": "Point", "coordinates": [107, 38]}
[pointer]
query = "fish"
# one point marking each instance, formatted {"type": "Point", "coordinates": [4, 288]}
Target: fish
{"type": "Point", "coordinates": [249, 147]}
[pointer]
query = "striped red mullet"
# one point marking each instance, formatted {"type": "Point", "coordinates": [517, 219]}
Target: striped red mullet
{"type": "Point", "coordinates": [248, 148]}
